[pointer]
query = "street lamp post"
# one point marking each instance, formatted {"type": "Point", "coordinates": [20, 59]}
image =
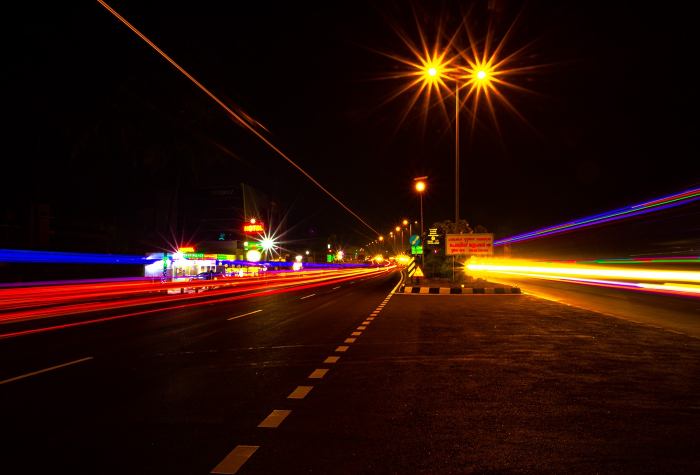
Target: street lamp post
{"type": "Point", "coordinates": [420, 188]}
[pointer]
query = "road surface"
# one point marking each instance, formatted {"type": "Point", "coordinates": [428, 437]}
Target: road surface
{"type": "Point", "coordinates": [345, 379]}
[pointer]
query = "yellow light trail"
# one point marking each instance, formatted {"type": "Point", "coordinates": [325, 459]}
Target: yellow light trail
{"type": "Point", "coordinates": [682, 282]}
{"type": "Point", "coordinates": [233, 114]}
{"type": "Point", "coordinates": [575, 270]}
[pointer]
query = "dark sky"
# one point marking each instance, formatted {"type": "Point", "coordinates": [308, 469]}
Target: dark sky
{"type": "Point", "coordinates": [100, 127]}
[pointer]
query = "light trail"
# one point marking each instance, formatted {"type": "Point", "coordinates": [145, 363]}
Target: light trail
{"type": "Point", "coordinates": [673, 282]}
{"type": "Point", "coordinates": [176, 302]}
{"type": "Point", "coordinates": [233, 114]}
{"type": "Point", "coordinates": [41, 302]}
{"type": "Point", "coordinates": [657, 204]}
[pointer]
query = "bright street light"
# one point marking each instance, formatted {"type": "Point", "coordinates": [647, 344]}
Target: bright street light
{"type": "Point", "coordinates": [479, 71]}
{"type": "Point", "coordinates": [420, 186]}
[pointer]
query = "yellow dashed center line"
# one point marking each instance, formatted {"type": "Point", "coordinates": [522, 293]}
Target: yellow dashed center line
{"type": "Point", "coordinates": [318, 373]}
{"type": "Point", "coordinates": [235, 459]}
{"type": "Point", "coordinates": [332, 359]}
{"type": "Point", "coordinates": [349, 340]}
{"type": "Point", "coordinates": [274, 419]}
{"type": "Point", "coordinates": [356, 333]}
{"type": "Point", "coordinates": [342, 349]}
{"type": "Point", "coordinates": [300, 392]}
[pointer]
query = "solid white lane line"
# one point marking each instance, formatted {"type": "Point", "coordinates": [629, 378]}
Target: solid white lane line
{"type": "Point", "coordinates": [362, 327]}
{"type": "Point", "coordinates": [336, 287]}
{"type": "Point", "coordinates": [300, 392]}
{"type": "Point", "coordinates": [349, 340]}
{"type": "Point", "coordinates": [244, 315]}
{"type": "Point", "coordinates": [235, 460]}
{"type": "Point", "coordinates": [356, 333]}
{"type": "Point", "coordinates": [45, 370]}
{"type": "Point", "coordinates": [307, 297]}
{"type": "Point", "coordinates": [342, 349]}
{"type": "Point", "coordinates": [274, 419]}
{"type": "Point", "coordinates": [332, 359]}
{"type": "Point", "coordinates": [318, 373]}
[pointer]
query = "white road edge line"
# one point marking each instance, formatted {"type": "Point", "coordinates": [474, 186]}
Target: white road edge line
{"type": "Point", "coordinates": [244, 315]}
{"type": "Point", "coordinates": [46, 370]}
{"type": "Point", "coordinates": [336, 287]}
{"type": "Point", "coordinates": [235, 459]}
{"type": "Point", "coordinates": [311, 295]}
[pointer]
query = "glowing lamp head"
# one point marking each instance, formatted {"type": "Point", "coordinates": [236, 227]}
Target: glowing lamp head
{"type": "Point", "coordinates": [405, 222]}
{"type": "Point", "coordinates": [253, 255]}
{"type": "Point", "coordinates": [420, 186]}
{"type": "Point", "coordinates": [481, 74]}
{"type": "Point", "coordinates": [252, 220]}
{"type": "Point", "coordinates": [397, 229]}
{"type": "Point", "coordinates": [267, 244]}
{"type": "Point", "coordinates": [432, 71]}
{"type": "Point", "coordinates": [381, 238]}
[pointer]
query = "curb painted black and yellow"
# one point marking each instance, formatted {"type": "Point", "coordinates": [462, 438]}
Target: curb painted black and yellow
{"type": "Point", "coordinates": [407, 289]}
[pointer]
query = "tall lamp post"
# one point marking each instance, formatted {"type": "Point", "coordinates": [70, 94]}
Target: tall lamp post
{"type": "Point", "coordinates": [420, 188]}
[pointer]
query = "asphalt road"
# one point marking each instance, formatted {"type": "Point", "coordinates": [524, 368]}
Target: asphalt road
{"type": "Point", "coordinates": [678, 313]}
{"type": "Point", "coordinates": [172, 392]}
{"type": "Point", "coordinates": [431, 384]}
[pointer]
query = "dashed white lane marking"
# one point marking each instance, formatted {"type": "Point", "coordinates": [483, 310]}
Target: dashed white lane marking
{"type": "Point", "coordinates": [274, 419]}
{"type": "Point", "coordinates": [45, 370]}
{"type": "Point", "coordinates": [318, 373]}
{"type": "Point", "coordinates": [366, 322]}
{"type": "Point", "coordinates": [356, 333]}
{"type": "Point", "coordinates": [300, 392]}
{"type": "Point", "coordinates": [349, 340]}
{"type": "Point", "coordinates": [244, 315]}
{"type": "Point", "coordinates": [306, 297]}
{"type": "Point", "coordinates": [374, 314]}
{"type": "Point", "coordinates": [342, 349]}
{"type": "Point", "coordinates": [334, 288]}
{"type": "Point", "coordinates": [332, 359]}
{"type": "Point", "coordinates": [370, 318]}
{"type": "Point", "coordinates": [235, 460]}
{"type": "Point", "coordinates": [362, 327]}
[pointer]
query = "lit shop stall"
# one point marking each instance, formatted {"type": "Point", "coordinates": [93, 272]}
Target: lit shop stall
{"type": "Point", "coordinates": [184, 266]}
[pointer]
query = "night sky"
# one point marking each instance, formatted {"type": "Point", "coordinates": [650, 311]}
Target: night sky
{"type": "Point", "coordinates": [102, 130]}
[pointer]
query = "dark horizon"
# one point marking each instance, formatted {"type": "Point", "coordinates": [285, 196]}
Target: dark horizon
{"type": "Point", "coordinates": [107, 135]}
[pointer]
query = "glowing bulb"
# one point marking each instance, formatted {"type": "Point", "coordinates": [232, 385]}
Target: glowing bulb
{"type": "Point", "coordinates": [252, 220]}
{"type": "Point", "coordinates": [481, 74]}
{"type": "Point", "coordinates": [420, 186]}
{"type": "Point", "coordinates": [267, 244]}
{"type": "Point", "coordinates": [432, 72]}
{"type": "Point", "coordinates": [253, 255]}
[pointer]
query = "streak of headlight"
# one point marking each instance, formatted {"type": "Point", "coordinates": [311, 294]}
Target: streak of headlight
{"type": "Point", "coordinates": [240, 119]}
{"type": "Point", "coordinates": [190, 301]}
{"type": "Point", "coordinates": [583, 271]}
{"type": "Point", "coordinates": [658, 204]}
{"type": "Point", "coordinates": [673, 281]}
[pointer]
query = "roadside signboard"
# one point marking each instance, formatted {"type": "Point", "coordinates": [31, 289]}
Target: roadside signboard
{"type": "Point", "coordinates": [479, 245]}
{"type": "Point", "coordinates": [414, 240]}
{"type": "Point", "coordinates": [433, 237]}
{"type": "Point", "coordinates": [416, 250]}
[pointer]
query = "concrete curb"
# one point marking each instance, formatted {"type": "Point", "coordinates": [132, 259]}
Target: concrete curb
{"type": "Point", "coordinates": [407, 289]}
